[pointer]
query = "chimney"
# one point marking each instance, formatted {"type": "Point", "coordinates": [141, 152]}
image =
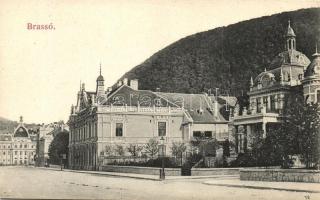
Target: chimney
{"type": "Point", "coordinates": [119, 83]}
{"type": "Point", "coordinates": [125, 81]}
{"type": "Point", "coordinates": [134, 84]}
{"type": "Point", "coordinates": [216, 108]}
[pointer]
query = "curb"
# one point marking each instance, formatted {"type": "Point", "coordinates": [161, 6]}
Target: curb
{"type": "Point", "coordinates": [101, 174]}
{"type": "Point", "coordinates": [262, 187]}
{"type": "Point", "coordinates": [170, 178]}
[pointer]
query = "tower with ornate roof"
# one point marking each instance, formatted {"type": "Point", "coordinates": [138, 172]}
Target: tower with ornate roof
{"type": "Point", "coordinates": [311, 81]}
{"type": "Point", "coordinates": [100, 84]}
{"type": "Point", "coordinates": [21, 130]}
{"type": "Point", "coordinates": [290, 38]}
{"type": "Point", "coordinates": [271, 91]}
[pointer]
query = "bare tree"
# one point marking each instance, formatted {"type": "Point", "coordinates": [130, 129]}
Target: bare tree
{"type": "Point", "coordinates": [120, 150]}
{"type": "Point", "coordinates": [152, 147]}
{"type": "Point", "coordinates": [134, 149]}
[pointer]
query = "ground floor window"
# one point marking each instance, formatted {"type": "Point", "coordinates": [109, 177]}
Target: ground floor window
{"type": "Point", "coordinates": [196, 134]}
{"type": "Point", "coordinates": [206, 134]}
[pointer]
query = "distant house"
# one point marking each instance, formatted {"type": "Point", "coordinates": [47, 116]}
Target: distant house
{"type": "Point", "coordinates": [19, 147]}
{"type": "Point", "coordinates": [47, 132]}
{"type": "Point", "coordinates": [126, 115]}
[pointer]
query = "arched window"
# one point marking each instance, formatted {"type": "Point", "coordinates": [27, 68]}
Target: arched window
{"type": "Point", "coordinates": [289, 44]}
{"type": "Point", "coordinates": [293, 44]}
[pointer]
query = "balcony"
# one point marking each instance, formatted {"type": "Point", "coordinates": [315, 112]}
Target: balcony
{"type": "Point", "coordinates": [252, 116]}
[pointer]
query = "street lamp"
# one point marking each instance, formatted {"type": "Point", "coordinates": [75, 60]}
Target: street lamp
{"type": "Point", "coordinates": [162, 174]}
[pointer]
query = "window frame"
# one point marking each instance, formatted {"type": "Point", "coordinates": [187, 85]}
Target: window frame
{"type": "Point", "coordinates": [163, 127]}
{"type": "Point", "coordinates": [117, 134]}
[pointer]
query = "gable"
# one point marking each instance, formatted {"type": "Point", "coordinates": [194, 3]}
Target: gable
{"type": "Point", "coordinates": [130, 97]}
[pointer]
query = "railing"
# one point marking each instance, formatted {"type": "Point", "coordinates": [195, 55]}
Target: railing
{"type": "Point", "coordinates": [260, 112]}
{"type": "Point", "coordinates": [143, 109]}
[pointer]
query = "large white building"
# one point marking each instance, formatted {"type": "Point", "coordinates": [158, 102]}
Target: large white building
{"type": "Point", "coordinates": [291, 73]}
{"type": "Point", "coordinates": [19, 147]}
{"type": "Point", "coordinates": [126, 115]}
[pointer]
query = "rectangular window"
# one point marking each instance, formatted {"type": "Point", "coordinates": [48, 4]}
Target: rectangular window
{"type": "Point", "coordinates": [15, 153]}
{"type": "Point", "coordinates": [119, 129]}
{"type": "Point", "coordinates": [95, 130]}
{"type": "Point", "coordinates": [162, 129]}
{"type": "Point", "coordinates": [318, 96]}
{"type": "Point", "coordinates": [265, 102]}
{"type": "Point", "coordinates": [258, 105]}
{"type": "Point", "coordinates": [208, 134]}
{"type": "Point", "coordinates": [25, 146]}
{"type": "Point", "coordinates": [196, 134]}
{"type": "Point", "coordinates": [273, 103]}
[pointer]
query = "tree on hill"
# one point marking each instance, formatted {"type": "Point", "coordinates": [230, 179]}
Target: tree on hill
{"type": "Point", "coordinates": [58, 146]}
{"type": "Point", "coordinates": [226, 57]}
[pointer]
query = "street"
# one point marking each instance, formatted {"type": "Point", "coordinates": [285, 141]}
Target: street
{"type": "Point", "coordinates": [29, 182]}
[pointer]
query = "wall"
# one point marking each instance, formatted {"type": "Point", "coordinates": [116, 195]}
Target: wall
{"type": "Point", "coordinates": [280, 175]}
{"type": "Point", "coordinates": [138, 128]}
{"type": "Point", "coordinates": [214, 171]}
{"type": "Point", "coordinates": [140, 170]}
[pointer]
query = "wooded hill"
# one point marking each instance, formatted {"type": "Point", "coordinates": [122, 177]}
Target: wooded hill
{"type": "Point", "coordinates": [226, 57]}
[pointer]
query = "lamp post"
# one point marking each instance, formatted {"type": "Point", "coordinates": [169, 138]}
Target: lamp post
{"type": "Point", "coordinates": [162, 174]}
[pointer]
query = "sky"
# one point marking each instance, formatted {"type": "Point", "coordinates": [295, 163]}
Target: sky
{"type": "Point", "coordinates": [41, 70]}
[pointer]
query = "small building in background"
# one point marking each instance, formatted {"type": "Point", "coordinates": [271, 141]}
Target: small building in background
{"type": "Point", "coordinates": [47, 132]}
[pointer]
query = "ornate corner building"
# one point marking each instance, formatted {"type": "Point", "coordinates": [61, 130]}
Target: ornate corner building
{"type": "Point", "coordinates": [291, 73]}
{"type": "Point", "coordinates": [125, 115]}
{"type": "Point", "coordinates": [19, 147]}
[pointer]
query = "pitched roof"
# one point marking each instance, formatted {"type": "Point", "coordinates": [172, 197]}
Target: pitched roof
{"type": "Point", "coordinates": [125, 95]}
{"type": "Point", "coordinates": [199, 106]}
{"type": "Point", "coordinates": [5, 137]}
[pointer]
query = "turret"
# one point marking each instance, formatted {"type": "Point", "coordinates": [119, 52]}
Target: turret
{"type": "Point", "coordinates": [290, 38]}
{"type": "Point", "coordinates": [100, 84]}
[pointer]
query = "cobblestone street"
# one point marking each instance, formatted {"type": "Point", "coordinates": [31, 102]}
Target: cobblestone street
{"type": "Point", "coordinates": [29, 182]}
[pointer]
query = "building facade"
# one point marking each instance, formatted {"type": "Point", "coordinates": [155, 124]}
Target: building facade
{"type": "Point", "coordinates": [18, 148]}
{"type": "Point", "coordinates": [291, 73]}
{"type": "Point", "coordinates": [47, 132]}
{"type": "Point", "coordinates": [125, 115]}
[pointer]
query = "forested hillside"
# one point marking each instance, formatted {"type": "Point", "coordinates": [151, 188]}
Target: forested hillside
{"type": "Point", "coordinates": [226, 57]}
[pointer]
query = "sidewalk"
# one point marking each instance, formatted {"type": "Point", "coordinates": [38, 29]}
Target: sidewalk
{"type": "Point", "coordinates": [284, 186]}
{"type": "Point", "coordinates": [140, 176]}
